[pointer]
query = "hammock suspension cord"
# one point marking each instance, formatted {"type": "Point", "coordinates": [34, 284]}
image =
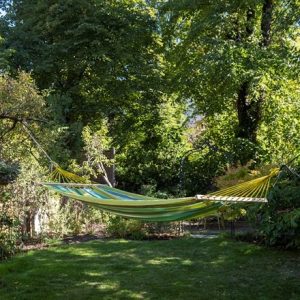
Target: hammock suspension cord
{"type": "Point", "coordinates": [33, 138]}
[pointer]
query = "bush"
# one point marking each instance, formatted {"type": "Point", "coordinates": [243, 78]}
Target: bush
{"type": "Point", "coordinates": [8, 244]}
{"type": "Point", "coordinates": [9, 236]}
{"type": "Point", "coordinates": [120, 227]}
{"type": "Point", "coordinates": [279, 221]}
{"type": "Point", "coordinates": [73, 217]}
{"type": "Point", "coordinates": [158, 228]}
{"type": "Point", "coordinates": [10, 233]}
{"type": "Point", "coordinates": [125, 228]}
{"type": "Point", "coordinates": [276, 223]}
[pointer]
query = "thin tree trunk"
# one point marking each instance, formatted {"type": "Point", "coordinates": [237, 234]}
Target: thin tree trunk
{"type": "Point", "coordinates": [104, 173]}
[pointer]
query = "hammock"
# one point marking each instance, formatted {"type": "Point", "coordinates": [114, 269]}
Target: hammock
{"type": "Point", "coordinates": [146, 208]}
{"type": "Point", "coordinates": [152, 209]}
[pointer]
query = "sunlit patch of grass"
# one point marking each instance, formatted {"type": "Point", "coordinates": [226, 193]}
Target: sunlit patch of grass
{"type": "Point", "coordinates": [174, 269]}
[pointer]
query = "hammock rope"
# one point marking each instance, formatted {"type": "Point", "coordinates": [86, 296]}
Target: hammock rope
{"type": "Point", "coordinates": [33, 138]}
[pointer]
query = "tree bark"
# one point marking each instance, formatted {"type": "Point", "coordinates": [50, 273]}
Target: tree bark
{"type": "Point", "coordinates": [249, 110]}
{"type": "Point", "coordinates": [249, 114]}
{"type": "Point", "coordinates": [266, 22]}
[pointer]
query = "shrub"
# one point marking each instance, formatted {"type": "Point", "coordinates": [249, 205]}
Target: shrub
{"type": "Point", "coordinates": [125, 228]}
{"type": "Point", "coordinates": [9, 236]}
{"type": "Point", "coordinates": [276, 223]}
{"type": "Point", "coordinates": [279, 222]}
{"type": "Point", "coordinates": [73, 217]}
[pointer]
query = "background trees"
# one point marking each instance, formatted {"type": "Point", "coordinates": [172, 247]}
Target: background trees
{"type": "Point", "coordinates": [100, 60]}
{"type": "Point", "coordinates": [20, 102]}
{"type": "Point", "coordinates": [235, 59]}
{"type": "Point", "coordinates": [233, 63]}
{"type": "Point", "coordinates": [97, 57]}
{"type": "Point", "coordinates": [155, 80]}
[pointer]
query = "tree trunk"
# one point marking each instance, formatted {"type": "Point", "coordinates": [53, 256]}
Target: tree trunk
{"type": "Point", "coordinates": [27, 224]}
{"type": "Point", "coordinates": [249, 110]}
{"type": "Point", "coordinates": [108, 172]}
{"type": "Point", "coordinates": [249, 114]}
{"type": "Point", "coordinates": [266, 22]}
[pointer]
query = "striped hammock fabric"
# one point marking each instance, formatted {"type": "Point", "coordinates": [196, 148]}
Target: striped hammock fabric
{"type": "Point", "coordinates": [145, 208]}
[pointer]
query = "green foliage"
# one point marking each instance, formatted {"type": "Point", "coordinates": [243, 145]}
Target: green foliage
{"type": "Point", "coordinates": [232, 212]}
{"type": "Point", "coordinates": [5, 55]}
{"type": "Point", "coordinates": [119, 227]}
{"type": "Point", "coordinates": [240, 61]}
{"type": "Point", "coordinates": [8, 173]}
{"type": "Point", "coordinates": [9, 227]}
{"type": "Point", "coordinates": [199, 170]}
{"type": "Point", "coordinates": [96, 146]}
{"type": "Point", "coordinates": [9, 241]}
{"type": "Point", "coordinates": [278, 135]}
{"type": "Point", "coordinates": [239, 174]}
{"type": "Point", "coordinates": [154, 148]}
{"type": "Point", "coordinates": [163, 228]}
{"type": "Point", "coordinates": [72, 218]}
{"type": "Point", "coordinates": [279, 221]}
{"type": "Point", "coordinates": [20, 99]}
{"type": "Point", "coordinates": [107, 66]}
{"type": "Point", "coordinates": [100, 59]}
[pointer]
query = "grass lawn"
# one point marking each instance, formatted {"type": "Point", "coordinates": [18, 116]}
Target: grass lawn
{"type": "Point", "coordinates": [175, 269]}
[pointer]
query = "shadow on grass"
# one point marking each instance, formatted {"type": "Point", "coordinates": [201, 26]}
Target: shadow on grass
{"type": "Point", "coordinates": [174, 269]}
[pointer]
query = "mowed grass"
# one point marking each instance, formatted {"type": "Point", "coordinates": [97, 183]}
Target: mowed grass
{"type": "Point", "coordinates": [174, 269]}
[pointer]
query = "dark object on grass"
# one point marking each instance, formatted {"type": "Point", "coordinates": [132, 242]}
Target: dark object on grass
{"type": "Point", "coordinates": [8, 172]}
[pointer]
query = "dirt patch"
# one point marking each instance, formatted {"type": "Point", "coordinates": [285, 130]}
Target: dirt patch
{"type": "Point", "coordinates": [195, 230]}
{"type": "Point", "coordinates": [37, 244]}
{"type": "Point", "coordinates": [82, 238]}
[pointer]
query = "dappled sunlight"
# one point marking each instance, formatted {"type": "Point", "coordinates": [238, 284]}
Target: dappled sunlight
{"type": "Point", "coordinates": [174, 269]}
{"type": "Point", "coordinates": [168, 261]}
{"type": "Point", "coordinates": [220, 260]}
{"type": "Point", "coordinates": [223, 244]}
{"type": "Point", "coordinates": [103, 286]}
{"type": "Point", "coordinates": [251, 250]}
{"type": "Point", "coordinates": [128, 294]}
